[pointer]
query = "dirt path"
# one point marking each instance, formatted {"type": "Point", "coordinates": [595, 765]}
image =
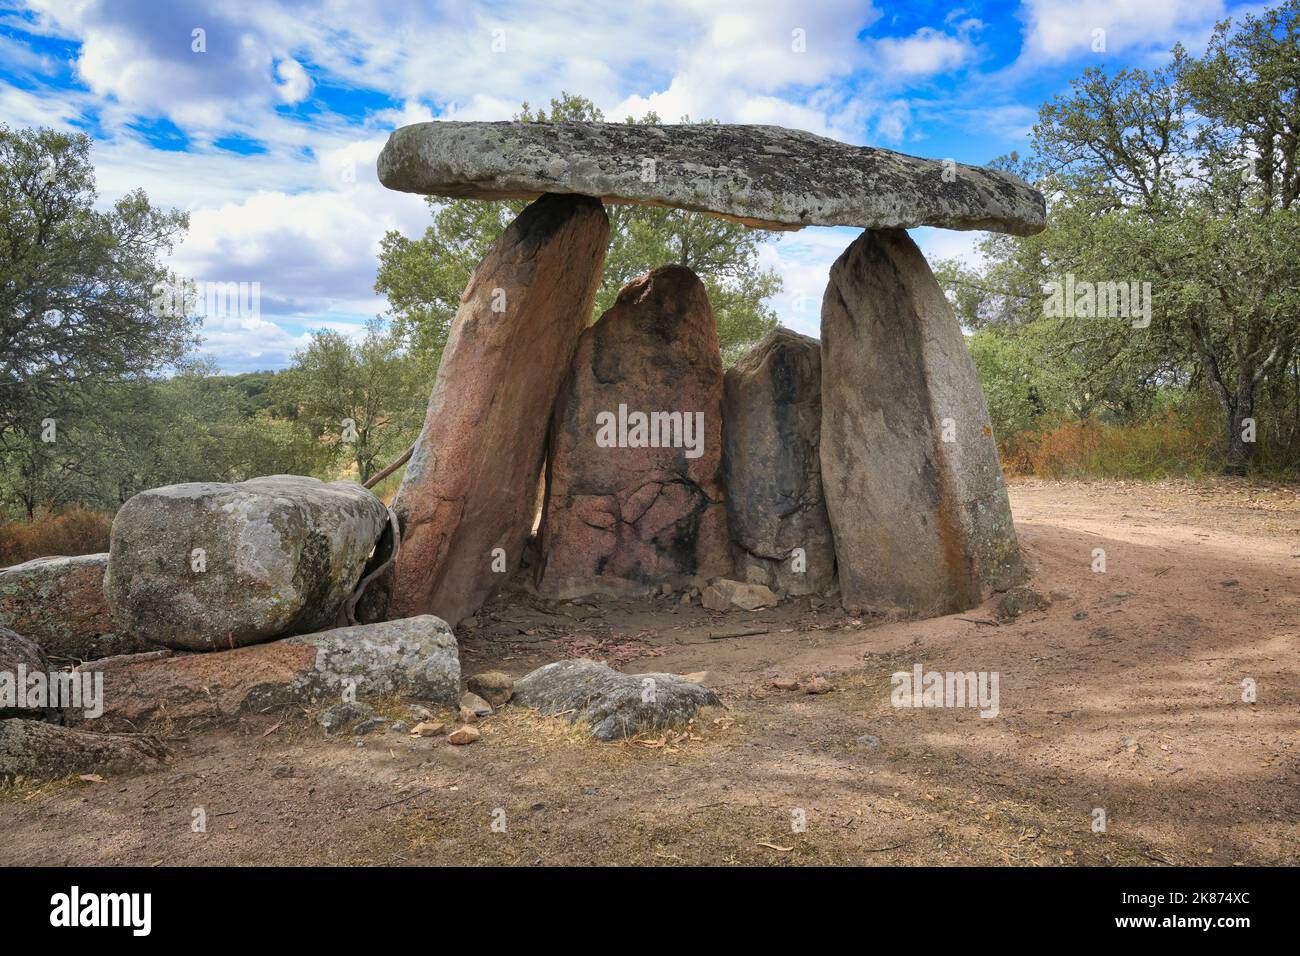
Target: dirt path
{"type": "Point", "coordinates": [1124, 695]}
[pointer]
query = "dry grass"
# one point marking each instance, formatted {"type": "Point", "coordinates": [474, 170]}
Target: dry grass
{"type": "Point", "coordinates": [71, 532]}
{"type": "Point", "coordinates": [1167, 446]}
{"type": "Point", "coordinates": [25, 790]}
{"type": "Point", "coordinates": [549, 736]}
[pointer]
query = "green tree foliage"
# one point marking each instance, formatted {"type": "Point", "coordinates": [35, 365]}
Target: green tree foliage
{"type": "Point", "coordinates": [1185, 177]}
{"type": "Point", "coordinates": [423, 278]}
{"type": "Point", "coordinates": [78, 283]}
{"type": "Point", "coordinates": [363, 400]}
{"type": "Point", "coordinates": [131, 435]}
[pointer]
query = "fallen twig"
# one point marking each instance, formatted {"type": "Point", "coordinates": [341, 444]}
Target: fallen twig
{"type": "Point", "coordinates": [393, 803]}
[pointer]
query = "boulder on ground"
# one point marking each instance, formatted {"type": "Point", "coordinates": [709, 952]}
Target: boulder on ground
{"type": "Point", "coordinates": [59, 603]}
{"type": "Point", "coordinates": [763, 176]}
{"type": "Point", "coordinates": [910, 468]}
{"type": "Point", "coordinates": [414, 657]}
{"type": "Point", "coordinates": [771, 427]}
{"type": "Point", "coordinates": [20, 657]}
{"type": "Point", "coordinates": [208, 566]}
{"type": "Point", "coordinates": [614, 704]}
{"type": "Point", "coordinates": [723, 595]}
{"type": "Point", "coordinates": [468, 497]}
{"type": "Point", "coordinates": [42, 751]}
{"type": "Point", "coordinates": [495, 687]}
{"type": "Point", "coordinates": [634, 495]}
{"type": "Point", "coordinates": [475, 704]}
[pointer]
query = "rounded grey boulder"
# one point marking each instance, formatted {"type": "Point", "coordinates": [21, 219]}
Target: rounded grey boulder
{"type": "Point", "coordinates": [210, 566]}
{"type": "Point", "coordinates": [614, 704]}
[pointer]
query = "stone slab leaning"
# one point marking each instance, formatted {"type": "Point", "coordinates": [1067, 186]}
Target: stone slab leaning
{"type": "Point", "coordinates": [471, 485]}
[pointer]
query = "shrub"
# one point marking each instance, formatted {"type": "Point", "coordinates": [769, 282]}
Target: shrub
{"type": "Point", "coordinates": [70, 532]}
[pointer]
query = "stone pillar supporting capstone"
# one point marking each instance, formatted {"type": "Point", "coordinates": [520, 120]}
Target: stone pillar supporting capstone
{"type": "Point", "coordinates": [467, 501]}
{"type": "Point", "coordinates": [910, 468]}
{"type": "Point", "coordinates": [771, 423]}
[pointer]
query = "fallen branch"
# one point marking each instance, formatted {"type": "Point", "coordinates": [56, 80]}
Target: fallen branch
{"type": "Point", "coordinates": [742, 632]}
{"type": "Point", "coordinates": [350, 608]}
{"type": "Point", "coordinates": [379, 476]}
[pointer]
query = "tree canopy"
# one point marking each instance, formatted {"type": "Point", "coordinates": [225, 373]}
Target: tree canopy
{"type": "Point", "coordinates": [1180, 182]}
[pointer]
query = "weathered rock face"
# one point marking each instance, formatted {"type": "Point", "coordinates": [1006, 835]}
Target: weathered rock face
{"type": "Point", "coordinates": [614, 704]}
{"type": "Point", "coordinates": [280, 555]}
{"type": "Point", "coordinates": [414, 657]}
{"type": "Point", "coordinates": [762, 176]}
{"type": "Point", "coordinates": [646, 379]}
{"type": "Point", "coordinates": [772, 416]}
{"type": "Point", "coordinates": [910, 469]}
{"type": "Point", "coordinates": [59, 603]}
{"type": "Point", "coordinates": [19, 657]}
{"type": "Point", "coordinates": [45, 752]}
{"type": "Point", "coordinates": [471, 485]}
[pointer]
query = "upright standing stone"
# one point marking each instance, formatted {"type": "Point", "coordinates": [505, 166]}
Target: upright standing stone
{"type": "Point", "coordinates": [470, 488]}
{"type": "Point", "coordinates": [910, 469]}
{"type": "Point", "coordinates": [634, 491]}
{"type": "Point", "coordinates": [771, 425]}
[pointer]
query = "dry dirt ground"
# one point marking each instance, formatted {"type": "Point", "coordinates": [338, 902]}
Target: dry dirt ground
{"type": "Point", "coordinates": [1125, 695]}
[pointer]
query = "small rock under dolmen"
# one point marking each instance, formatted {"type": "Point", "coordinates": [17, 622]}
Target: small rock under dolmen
{"type": "Point", "coordinates": [614, 704]}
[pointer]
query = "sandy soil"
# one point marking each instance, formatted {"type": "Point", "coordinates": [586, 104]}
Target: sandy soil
{"type": "Point", "coordinates": [1125, 695]}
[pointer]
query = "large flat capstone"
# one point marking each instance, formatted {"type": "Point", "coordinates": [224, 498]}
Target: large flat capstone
{"type": "Point", "coordinates": [764, 176]}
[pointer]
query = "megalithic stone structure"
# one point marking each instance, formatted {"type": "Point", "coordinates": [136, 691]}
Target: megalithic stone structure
{"type": "Point", "coordinates": [772, 419]}
{"type": "Point", "coordinates": [910, 468]}
{"type": "Point", "coordinates": [909, 471]}
{"type": "Point", "coordinates": [764, 176]}
{"type": "Point", "coordinates": [466, 503]}
{"type": "Point", "coordinates": [634, 479]}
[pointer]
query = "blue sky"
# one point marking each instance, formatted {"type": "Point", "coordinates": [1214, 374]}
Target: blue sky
{"type": "Point", "coordinates": [268, 136]}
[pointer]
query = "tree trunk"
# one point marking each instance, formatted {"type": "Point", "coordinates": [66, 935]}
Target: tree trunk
{"type": "Point", "coordinates": [1240, 451]}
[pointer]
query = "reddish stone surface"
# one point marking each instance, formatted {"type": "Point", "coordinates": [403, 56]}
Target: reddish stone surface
{"type": "Point", "coordinates": [623, 520]}
{"type": "Point", "coordinates": [471, 485]}
{"type": "Point", "coordinates": [186, 687]}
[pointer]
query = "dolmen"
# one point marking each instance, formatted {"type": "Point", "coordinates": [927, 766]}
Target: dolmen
{"type": "Point", "coordinates": [864, 461]}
